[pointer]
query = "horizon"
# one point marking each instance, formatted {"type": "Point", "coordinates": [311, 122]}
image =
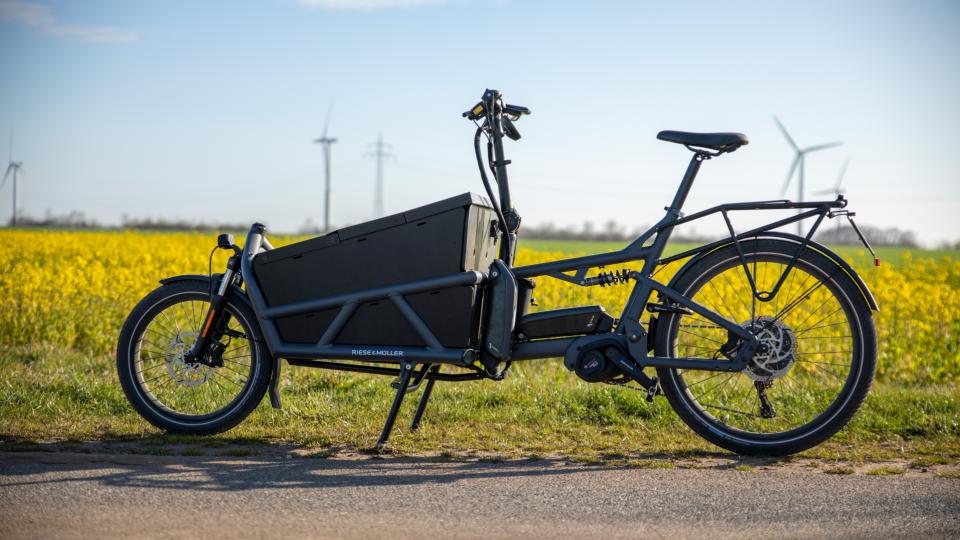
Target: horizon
{"type": "Point", "coordinates": [184, 111]}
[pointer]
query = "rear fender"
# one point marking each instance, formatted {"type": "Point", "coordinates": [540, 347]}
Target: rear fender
{"type": "Point", "coordinates": [823, 250]}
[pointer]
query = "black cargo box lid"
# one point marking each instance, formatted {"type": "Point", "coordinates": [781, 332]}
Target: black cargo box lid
{"type": "Point", "coordinates": [335, 237]}
{"type": "Point", "coordinates": [464, 199]}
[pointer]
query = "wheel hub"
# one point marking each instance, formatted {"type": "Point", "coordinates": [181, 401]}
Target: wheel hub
{"type": "Point", "coordinates": [185, 373]}
{"type": "Point", "coordinates": [778, 350]}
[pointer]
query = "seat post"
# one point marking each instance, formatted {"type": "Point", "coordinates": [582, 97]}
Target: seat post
{"type": "Point", "coordinates": [686, 183]}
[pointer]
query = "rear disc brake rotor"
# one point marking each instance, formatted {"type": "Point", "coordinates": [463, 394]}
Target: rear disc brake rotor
{"type": "Point", "coordinates": [780, 353]}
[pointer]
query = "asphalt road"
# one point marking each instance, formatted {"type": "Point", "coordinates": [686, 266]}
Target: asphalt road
{"type": "Point", "coordinates": [60, 495]}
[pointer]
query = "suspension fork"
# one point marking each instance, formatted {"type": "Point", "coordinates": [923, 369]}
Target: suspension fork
{"type": "Point", "coordinates": [216, 319]}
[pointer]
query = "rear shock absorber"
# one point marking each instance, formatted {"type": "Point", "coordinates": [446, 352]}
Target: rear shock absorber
{"type": "Point", "coordinates": [616, 277]}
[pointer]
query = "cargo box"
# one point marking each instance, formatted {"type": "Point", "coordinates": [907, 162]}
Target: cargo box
{"type": "Point", "coordinates": [450, 236]}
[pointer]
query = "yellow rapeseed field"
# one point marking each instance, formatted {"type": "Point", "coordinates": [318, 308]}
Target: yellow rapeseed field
{"type": "Point", "coordinates": [74, 289]}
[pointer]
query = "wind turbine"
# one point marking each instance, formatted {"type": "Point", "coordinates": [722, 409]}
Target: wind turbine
{"type": "Point", "coordinates": [326, 141]}
{"type": "Point", "coordinates": [799, 162]}
{"type": "Point", "coordinates": [15, 167]}
{"type": "Point", "coordinates": [836, 191]}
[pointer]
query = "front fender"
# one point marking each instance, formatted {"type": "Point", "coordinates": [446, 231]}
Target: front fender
{"type": "Point", "coordinates": [212, 283]}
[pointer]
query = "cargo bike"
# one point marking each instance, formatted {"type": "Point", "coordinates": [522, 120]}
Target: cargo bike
{"type": "Point", "coordinates": [762, 342]}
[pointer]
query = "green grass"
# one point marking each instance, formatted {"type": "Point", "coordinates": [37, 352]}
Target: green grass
{"type": "Point", "coordinates": [649, 464]}
{"type": "Point", "coordinates": [929, 461]}
{"type": "Point", "coordinates": [887, 470]}
{"type": "Point", "coordinates": [856, 254]}
{"type": "Point", "coordinates": [539, 410]}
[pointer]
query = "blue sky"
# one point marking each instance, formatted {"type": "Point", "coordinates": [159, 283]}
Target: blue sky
{"type": "Point", "coordinates": [207, 110]}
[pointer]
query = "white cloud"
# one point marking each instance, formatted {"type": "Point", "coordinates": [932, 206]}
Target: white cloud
{"type": "Point", "coordinates": [40, 17]}
{"type": "Point", "coordinates": [367, 5]}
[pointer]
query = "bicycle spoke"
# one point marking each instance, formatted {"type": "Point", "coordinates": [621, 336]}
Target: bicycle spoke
{"type": "Point", "coordinates": [146, 369]}
{"type": "Point", "coordinates": [233, 371]}
{"type": "Point", "coordinates": [823, 319]}
{"type": "Point", "coordinates": [818, 327]}
{"type": "Point", "coordinates": [798, 288]}
{"type": "Point", "coordinates": [702, 337]}
{"type": "Point", "coordinates": [815, 311]}
{"type": "Point", "coordinates": [727, 409]}
{"type": "Point", "coordinates": [824, 363]}
{"type": "Point", "coordinates": [732, 287]}
{"type": "Point", "coordinates": [705, 380]}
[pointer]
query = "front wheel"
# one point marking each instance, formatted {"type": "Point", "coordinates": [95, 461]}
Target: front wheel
{"type": "Point", "coordinates": [191, 397]}
{"type": "Point", "coordinates": [816, 368]}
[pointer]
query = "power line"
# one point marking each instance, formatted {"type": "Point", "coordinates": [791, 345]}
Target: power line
{"type": "Point", "coordinates": [379, 150]}
{"type": "Point", "coordinates": [326, 141]}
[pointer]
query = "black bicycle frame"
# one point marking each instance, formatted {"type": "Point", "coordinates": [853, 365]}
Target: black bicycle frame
{"type": "Point", "coordinates": [630, 331]}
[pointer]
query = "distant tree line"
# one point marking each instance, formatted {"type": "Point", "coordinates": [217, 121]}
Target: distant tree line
{"type": "Point", "coordinates": [71, 220]}
{"type": "Point", "coordinates": [161, 224]}
{"type": "Point", "coordinates": [828, 234]}
{"type": "Point", "coordinates": [78, 220]}
{"type": "Point", "coordinates": [844, 235]}
{"type": "Point", "coordinates": [611, 231]}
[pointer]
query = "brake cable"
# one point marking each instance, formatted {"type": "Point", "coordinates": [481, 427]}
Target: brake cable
{"type": "Point", "coordinates": [502, 222]}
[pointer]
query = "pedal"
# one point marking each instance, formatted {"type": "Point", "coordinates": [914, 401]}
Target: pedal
{"type": "Point", "coordinates": [653, 389]}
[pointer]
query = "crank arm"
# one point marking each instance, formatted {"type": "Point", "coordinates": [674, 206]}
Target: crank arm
{"type": "Point", "coordinates": [632, 370]}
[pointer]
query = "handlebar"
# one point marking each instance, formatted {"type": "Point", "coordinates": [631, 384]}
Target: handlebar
{"type": "Point", "coordinates": [498, 119]}
{"type": "Point", "coordinates": [492, 101]}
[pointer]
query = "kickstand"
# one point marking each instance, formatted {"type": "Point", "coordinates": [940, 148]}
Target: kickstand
{"type": "Point", "coordinates": [275, 385]}
{"type": "Point", "coordinates": [422, 405]}
{"type": "Point", "coordinates": [406, 369]}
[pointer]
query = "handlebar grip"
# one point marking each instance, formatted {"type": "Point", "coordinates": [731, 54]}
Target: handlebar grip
{"type": "Point", "coordinates": [516, 110]}
{"type": "Point", "coordinates": [476, 112]}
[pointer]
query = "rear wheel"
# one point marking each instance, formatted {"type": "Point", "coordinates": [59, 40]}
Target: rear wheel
{"type": "Point", "coordinates": [819, 357]}
{"type": "Point", "coordinates": [191, 397]}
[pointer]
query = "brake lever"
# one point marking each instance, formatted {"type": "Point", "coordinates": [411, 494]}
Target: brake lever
{"type": "Point", "coordinates": [509, 129]}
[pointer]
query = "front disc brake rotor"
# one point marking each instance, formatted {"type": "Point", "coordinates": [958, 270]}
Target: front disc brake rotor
{"type": "Point", "coordinates": [188, 374]}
